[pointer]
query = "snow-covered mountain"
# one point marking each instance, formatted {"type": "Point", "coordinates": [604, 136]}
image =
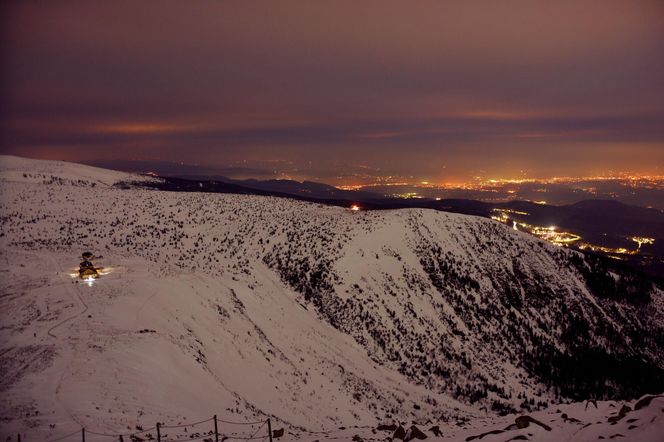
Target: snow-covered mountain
{"type": "Point", "coordinates": [251, 306]}
{"type": "Point", "coordinates": [18, 169]}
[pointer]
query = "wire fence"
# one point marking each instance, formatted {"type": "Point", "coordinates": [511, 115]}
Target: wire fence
{"type": "Point", "coordinates": [192, 431]}
{"type": "Point", "coordinates": [189, 431]}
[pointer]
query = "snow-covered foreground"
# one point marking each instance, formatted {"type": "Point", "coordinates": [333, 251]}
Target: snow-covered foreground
{"type": "Point", "coordinates": [249, 307]}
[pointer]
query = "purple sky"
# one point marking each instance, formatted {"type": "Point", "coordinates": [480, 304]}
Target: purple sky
{"type": "Point", "coordinates": [323, 90]}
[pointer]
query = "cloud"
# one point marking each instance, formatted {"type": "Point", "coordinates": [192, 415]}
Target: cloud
{"type": "Point", "coordinates": [391, 84]}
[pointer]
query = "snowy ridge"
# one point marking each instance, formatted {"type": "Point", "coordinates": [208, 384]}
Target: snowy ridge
{"type": "Point", "coordinates": [249, 306]}
{"type": "Point", "coordinates": [18, 169]}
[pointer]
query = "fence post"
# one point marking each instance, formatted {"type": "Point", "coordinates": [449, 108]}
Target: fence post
{"type": "Point", "coordinates": [158, 432]}
{"type": "Point", "coordinates": [19, 437]}
{"type": "Point", "coordinates": [216, 430]}
{"type": "Point", "coordinates": [269, 428]}
{"type": "Point", "coordinates": [83, 434]}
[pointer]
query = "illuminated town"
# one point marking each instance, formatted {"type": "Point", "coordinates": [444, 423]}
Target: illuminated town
{"type": "Point", "coordinates": [562, 238]}
{"type": "Point", "coordinates": [642, 190]}
{"type": "Point", "coordinates": [655, 182]}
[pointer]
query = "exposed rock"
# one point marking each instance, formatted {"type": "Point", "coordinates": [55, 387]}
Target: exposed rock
{"type": "Point", "coordinates": [566, 418]}
{"type": "Point", "coordinates": [591, 401]}
{"type": "Point", "coordinates": [525, 421]}
{"type": "Point", "coordinates": [645, 401]}
{"type": "Point", "coordinates": [414, 433]}
{"type": "Point", "coordinates": [621, 414]}
{"type": "Point", "coordinates": [399, 433]}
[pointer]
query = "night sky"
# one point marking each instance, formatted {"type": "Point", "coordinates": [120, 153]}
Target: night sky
{"type": "Point", "coordinates": [326, 90]}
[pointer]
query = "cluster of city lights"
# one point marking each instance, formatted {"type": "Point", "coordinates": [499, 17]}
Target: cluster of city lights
{"type": "Point", "coordinates": [483, 184]}
{"type": "Point", "coordinates": [642, 240]}
{"type": "Point", "coordinates": [550, 233]}
{"type": "Point", "coordinates": [647, 181]}
{"type": "Point", "coordinates": [407, 195]}
{"type": "Point", "coordinates": [562, 238]}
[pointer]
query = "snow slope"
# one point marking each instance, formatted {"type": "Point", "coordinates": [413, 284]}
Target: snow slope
{"type": "Point", "coordinates": [249, 307]}
{"type": "Point", "coordinates": [18, 169]}
{"type": "Point", "coordinates": [637, 420]}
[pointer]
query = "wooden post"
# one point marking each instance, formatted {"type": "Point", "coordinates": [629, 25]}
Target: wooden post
{"type": "Point", "coordinates": [269, 428]}
{"type": "Point", "coordinates": [216, 429]}
{"type": "Point", "coordinates": [19, 437]}
{"type": "Point", "coordinates": [158, 432]}
{"type": "Point", "coordinates": [83, 434]}
{"type": "Point", "coordinates": [121, 438]}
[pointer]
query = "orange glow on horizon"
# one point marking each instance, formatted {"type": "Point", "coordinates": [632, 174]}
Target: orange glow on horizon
{"type": "Point", "coordinates": [481, 183]}
{"type": "Point", "coordinates": [139, 128]}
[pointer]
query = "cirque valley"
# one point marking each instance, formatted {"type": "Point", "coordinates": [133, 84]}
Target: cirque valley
{"type": "Point", "coordinates": [318, 317]}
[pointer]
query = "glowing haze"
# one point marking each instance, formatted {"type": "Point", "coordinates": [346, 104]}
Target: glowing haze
{"type": "Point", "coordinates": [339, 91]}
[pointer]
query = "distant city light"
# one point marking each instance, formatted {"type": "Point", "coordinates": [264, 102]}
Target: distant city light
{"type": "Point", "coordinates": [559, 238]}
{"type": "Point", "coordinates": [642, 240]}
{"type": "Point", "coordinates": [487, 185]}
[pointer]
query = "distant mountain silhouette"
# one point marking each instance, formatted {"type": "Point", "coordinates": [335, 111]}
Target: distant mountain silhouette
{"type": "Point", "coordinates": [602, 222]}
{"type": "Point", "coordinates": [305, 188]}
